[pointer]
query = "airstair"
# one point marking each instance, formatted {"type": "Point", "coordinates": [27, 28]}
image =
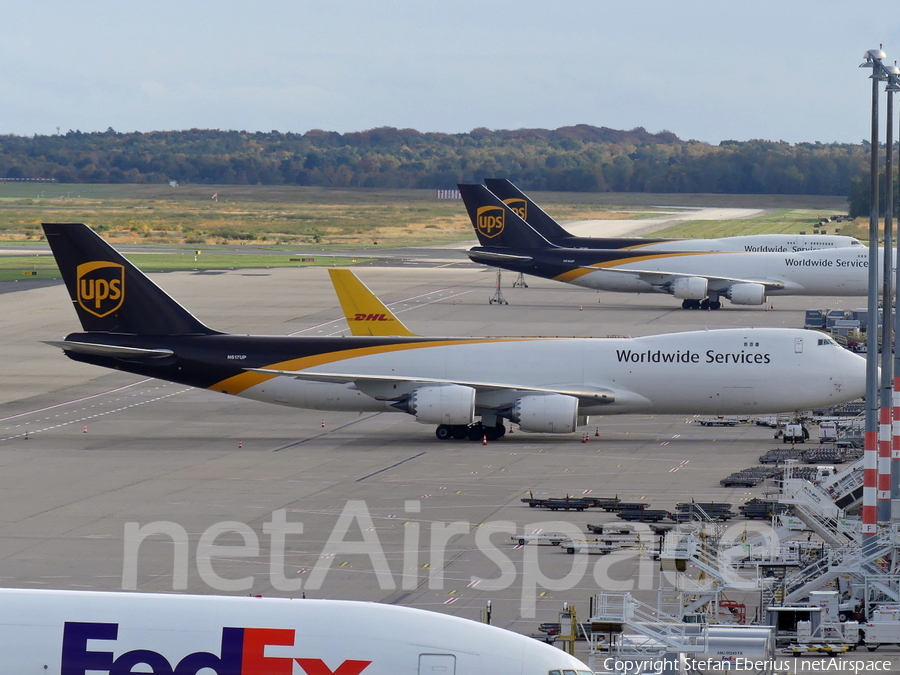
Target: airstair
{"type": "Point", "coordinates": [816, 508]}
{"type": "Point", "coordinates": [846, 486]}
{"type": "Point", "coordinates": [625, 618]}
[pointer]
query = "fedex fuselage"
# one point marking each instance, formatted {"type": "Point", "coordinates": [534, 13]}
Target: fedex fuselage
{"type": "Point", "coordinates": [97, 633]}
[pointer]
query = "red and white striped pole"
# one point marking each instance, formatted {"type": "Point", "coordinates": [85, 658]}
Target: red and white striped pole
{"type": "Point", "coordinates": [874, 58]}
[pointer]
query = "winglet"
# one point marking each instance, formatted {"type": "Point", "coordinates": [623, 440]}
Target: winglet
{"type": "Point", "coordinates": [365, 313]}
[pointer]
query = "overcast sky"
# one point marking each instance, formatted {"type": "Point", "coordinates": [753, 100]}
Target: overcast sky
{"type": "Point", "coordinates": [708, 70]}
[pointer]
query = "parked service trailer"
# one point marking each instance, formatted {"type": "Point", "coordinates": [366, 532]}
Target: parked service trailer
{"type": "Point", "coordinates": [720, 421]}
{"type": "Point", "coordinates": [643, 515]}
{"type": "Point", "coordinates": [552, 539]}
{"type": "Point", "coordinates": [883, 628]}
{"type": "Point", "coordinates": [588, 545]}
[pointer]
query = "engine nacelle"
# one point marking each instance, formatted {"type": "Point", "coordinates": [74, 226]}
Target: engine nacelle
{"type": "Point", "coordinates": [747, 294]}
{"type": "Point", "coordinates": [442, 404]}
{"type": "Point", "coordinates": [690, 288]}
{"type": "Point", "coordinates": [552, 413]}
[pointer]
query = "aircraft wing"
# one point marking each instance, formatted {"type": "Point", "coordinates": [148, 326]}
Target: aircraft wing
{"type": "Point", "coordinates": [660, 277]}
{"type": "Point", "coordinates": [588, 395]}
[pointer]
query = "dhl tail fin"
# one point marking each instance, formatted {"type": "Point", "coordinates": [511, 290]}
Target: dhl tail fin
{"type": "Point", "coordinates": [365, 313]}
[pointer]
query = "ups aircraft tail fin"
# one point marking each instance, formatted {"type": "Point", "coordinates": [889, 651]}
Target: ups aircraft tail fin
{"type": "Point", "coordinates": [496, 224]}
{"type": "Point", "coordinates": [365, 313]}
{"type": "Point", "coordinates": [110, 294]}
{"type": "Point", "coordinates": [530, 212]}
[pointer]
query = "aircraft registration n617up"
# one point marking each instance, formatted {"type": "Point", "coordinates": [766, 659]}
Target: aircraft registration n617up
{"type": "Point", "coordinates": [542, 384]}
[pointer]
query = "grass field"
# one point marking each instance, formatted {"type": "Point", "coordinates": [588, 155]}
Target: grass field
{"type": "Point", "coordinates": [330, 217]}
{"type": "Point", "coordinates": [26, 268]}
{"type": "Point", "coordinates": [187, 218]}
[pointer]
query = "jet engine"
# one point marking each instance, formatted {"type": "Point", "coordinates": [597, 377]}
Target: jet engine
{"type": "Point", "coordinates": [689, 288]}
{"type": "Point", "coordinates": [553, 413]}
{"type": "Point", "coordinates": [747, 294]}
{"type": "Point", "coordinates": [442, 404]}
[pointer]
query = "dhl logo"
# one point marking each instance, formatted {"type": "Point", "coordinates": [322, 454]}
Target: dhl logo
{"type": "Point", "coordinates": [519, 206]}
{"type": "Point", "coordinates": [101, 287]}
{"type": "Point", "coordinates": [490, 220]}
{"type": "Point", "coordinates": [371, 317]}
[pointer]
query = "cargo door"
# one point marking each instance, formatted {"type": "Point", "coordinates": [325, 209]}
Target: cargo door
{"type": "Point", "coordinates": [437, 664]}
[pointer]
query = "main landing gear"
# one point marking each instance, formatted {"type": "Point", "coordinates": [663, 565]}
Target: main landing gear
{"type": "Point", "coordinates": [700, 304]}
{"type": "Point", "coordinates": [471, 432]}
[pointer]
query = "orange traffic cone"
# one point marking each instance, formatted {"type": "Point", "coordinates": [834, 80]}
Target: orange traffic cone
{"type": "Point", "coordinates": [26, 435]}
{"type": "Point", "coordinates": [85, 428]}
{"type": "Point", "coordinates": [240, 445]}
{"type": "Point", "coordinates": [584, 438]}
{"type": "Point", "coordinates": [597, 433]}
{"type": "Point", "coordinates": [484, 440]}
{"type": "Point", "coordinates": [323, 424]}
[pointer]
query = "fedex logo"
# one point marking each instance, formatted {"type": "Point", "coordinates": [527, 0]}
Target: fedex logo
{"type": "Point", "coordinates": [242, 653]}
{"type": "Point", "coordinates": [371, 317]}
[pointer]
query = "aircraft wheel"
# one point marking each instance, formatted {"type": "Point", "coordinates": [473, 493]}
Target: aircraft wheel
{"type": "Point", "coordinates": [686, 304]}
{"type": "Point", "coordinates": [494, 433]}
{"type": "Point", "coordinates": [704, 305]}
{"type": "Point", "coordinates": [476, 432]}
{"type": "Point", "coordinates": [443, 432]}
{"type": "Point", "coordinates": [460, 432]}
{"type": "Point", "coordinates": [715, 304]}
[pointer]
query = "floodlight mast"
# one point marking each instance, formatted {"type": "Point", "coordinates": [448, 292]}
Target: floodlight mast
{"type": "Point", "coordinates": [874, 58]}
{"type": "Point", "coordinates": [893, 87]}
{"type": "Point", "coordinates": [885, 437]}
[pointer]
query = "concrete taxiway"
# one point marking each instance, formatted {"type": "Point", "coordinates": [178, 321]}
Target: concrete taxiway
{"type": "Point", "coordinates": [88, 455]}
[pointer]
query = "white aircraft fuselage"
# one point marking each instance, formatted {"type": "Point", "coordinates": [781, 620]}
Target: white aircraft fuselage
{"type": "Point", "coordinates": [101, 633]}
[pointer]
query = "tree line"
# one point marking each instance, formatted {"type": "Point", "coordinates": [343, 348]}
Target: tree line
{"type": "Point", "coordinates": [580, 158]}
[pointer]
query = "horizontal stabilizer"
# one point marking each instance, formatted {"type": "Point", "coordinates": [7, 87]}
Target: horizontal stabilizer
{"type": "Point", "coordinates": [591, 395]}
{"type": "Point", "coordinates": [490, 255]}
{"type": "Point", "coordinates": [114, 351]}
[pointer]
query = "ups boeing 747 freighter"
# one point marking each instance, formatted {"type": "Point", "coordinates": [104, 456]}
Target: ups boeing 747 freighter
{"type": "Point", "coordinates": [467, 386]}
{"type": "Point", "coordinates": [699, 278]}
{"type": "Point", "coordinates": [546, 226]}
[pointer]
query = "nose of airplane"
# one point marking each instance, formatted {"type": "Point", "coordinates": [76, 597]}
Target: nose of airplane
{"type": "Point", "coordinates": [850, 374]}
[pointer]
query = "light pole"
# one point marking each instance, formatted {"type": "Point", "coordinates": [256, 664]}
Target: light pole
{"type": "Point", "coordinates": [887, 363]}
{"type": "Point", "coordinates": [873, 57]}
{"type": "Point", "coordinates": [893, 86]}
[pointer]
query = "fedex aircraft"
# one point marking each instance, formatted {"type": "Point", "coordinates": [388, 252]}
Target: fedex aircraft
{"type": "Point", "coordinates": [101, 633]}
{"type": "Point", "coordinates": [466, 386]}
{"type": "Point", "coordinates": [700, 279]}
{"type": "Point", "coordinates": [535, 216]}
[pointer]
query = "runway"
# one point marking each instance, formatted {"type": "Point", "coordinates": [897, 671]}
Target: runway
{"type": "Point", "coordinates": [85, 452]}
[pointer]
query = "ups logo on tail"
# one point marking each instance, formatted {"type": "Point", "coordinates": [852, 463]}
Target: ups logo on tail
{"type": "Point", "coordinates": [101, 287]}
{"type": "Point", "coordinates": [519, 206]}
{"type": "Point", "coordinates": [490, 221]}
